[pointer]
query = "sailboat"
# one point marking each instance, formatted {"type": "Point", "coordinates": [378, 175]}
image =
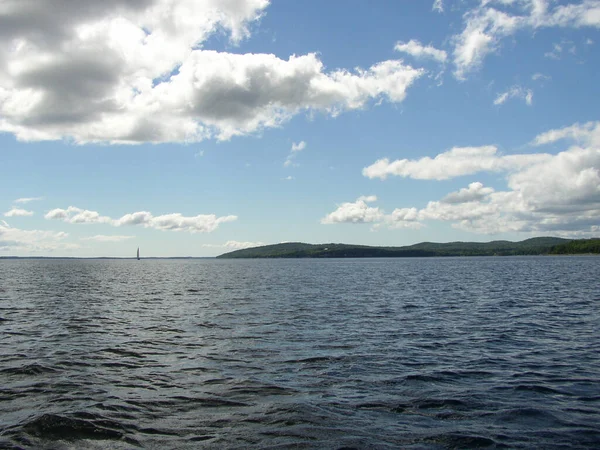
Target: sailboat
{"type": "Point", "coordinates": [138, 254]}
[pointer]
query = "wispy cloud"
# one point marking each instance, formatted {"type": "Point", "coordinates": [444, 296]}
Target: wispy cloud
{"type": "Point", "coordinates": [587, 134]}
{"type": "Point", "coordinates": [28, 199]}
{"type": "Point", "coordinates": [540, 76]}
{"type": "Point", "coordinates": [107, 238]}
{"type": "Point", "coordinates": [420, 51]}
{"type": "Point", "coordinates": [15, 240]}
{"type": "Point", "coordinates": [515, 92]}
{"type": "Point", "coordinates": [296, 148]}
{"type": "Point", "coordinates": [487, 25]}
{"type": "Point", "coordinates": [458, 161]}
{"type": "Point", "coordinates": [235, 245]}
{"type": "Point", "coordinates": [17, 212]}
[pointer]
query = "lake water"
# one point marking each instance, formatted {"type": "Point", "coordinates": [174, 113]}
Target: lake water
{"type": "Point", "coordinates": [427, 353]}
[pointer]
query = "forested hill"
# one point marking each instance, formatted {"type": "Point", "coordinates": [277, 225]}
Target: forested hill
{"type": "Point", "coordinates": [534, 246]}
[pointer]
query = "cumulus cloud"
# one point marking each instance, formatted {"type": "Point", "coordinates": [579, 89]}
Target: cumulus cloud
{"type": "Point", "coordinates": [418, 50]}
{"type": "Point", "coordinates": [403, 218]}
{"type": "Point", "coordinates": [456, 162]}
{"type": "Point", "coordinates": [515, 92]}
{"type": "Point", "coordinates": [123, 71]}
{"type": "Point", "coordinates": [77, 215]}
{"type": "Point", "coordinates": [17, 212]}
{"type": "Point", "coordinates": [296, 148]}
{"type": "Point", "coordinates": [546, 193]}
{"type": "Point", "coordinates": [438, 5]}
{"type": "Point", "coordinates": [475, 192]}
{"type": "Point", "coordinates": [203, 223]}
{"type": "Point", "coordinates": [16, 240]}
{"type": "Point", "coordinates": [355, 212]}
{"type": "Point", "coordinates": [493, 20]}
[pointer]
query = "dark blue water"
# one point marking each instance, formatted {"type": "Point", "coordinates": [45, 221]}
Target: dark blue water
{"type": "Point", "coordinates": [350, 353]}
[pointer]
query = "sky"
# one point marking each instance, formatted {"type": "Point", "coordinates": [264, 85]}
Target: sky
{"type": "Point", "coordinates": [197, 127]}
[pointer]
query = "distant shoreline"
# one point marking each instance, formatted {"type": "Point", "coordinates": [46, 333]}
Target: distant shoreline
{"type": "Point", "coordinates": [529, 247]}
{"type": "Point", "coordinates": [542, 246]}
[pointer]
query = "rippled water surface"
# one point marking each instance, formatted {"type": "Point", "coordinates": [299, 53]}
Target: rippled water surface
{"type": "Point", "coordinates": [348, 353]}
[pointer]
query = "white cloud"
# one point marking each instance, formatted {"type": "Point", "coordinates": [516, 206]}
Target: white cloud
{"type": "Point", "coordinates": [438, 6]}
{"type": "Point", "coordinates": [77, 215]}
{"type": "Point", "coordinates": [28, 199]}
{"type": "Point", "coordinates": [107, 238]}
{"type": "Point", "coordinates": [123, 71]}
{"type": "Point", "coordinates": [515, 92]}
{"type": "Point", "coordinates": [546, 194]}
{"type": "Point", "coordinates": [418, 50]}
{"type": "Point", "coordinates": [540, 76]}
{"type": "Point", "coordinates": [203, 223]}
{"type": "Point", "coordinates": [137, 218]}
{"type": "Point", "coordinates": [586, 134]}
{"type": "Point", "coordinates": [456, 162]}
{"type": "Point", "coordinates": [403, 218]}
{"type": "Point", "coordinates": [355, 212]}
{"type": "Point", "coordinates": [486, 26]}
{"type": "Point", "coordinates": [16, 240]}
{"type": "Point", "coordinates": [17, 212]}
{"type": "Point", "coordinates": [235, 245]}
{"type": "Point", "coordinates": [296, 148]}
{"type": "Point", "coordinates": [475, 192]}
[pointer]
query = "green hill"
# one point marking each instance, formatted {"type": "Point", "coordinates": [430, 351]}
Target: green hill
{"type": "Point", "coordinates": [533, 246]}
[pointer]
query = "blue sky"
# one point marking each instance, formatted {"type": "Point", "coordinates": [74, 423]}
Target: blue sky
{"type": "Point", "coordinates": [192, 128]}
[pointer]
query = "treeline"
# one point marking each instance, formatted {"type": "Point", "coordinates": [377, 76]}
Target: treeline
{"type": "Point", "coordinates": [579, 246]}
{"type": "Point", "coordinates": [534, 246]}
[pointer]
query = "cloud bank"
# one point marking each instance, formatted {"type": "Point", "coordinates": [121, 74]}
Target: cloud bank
{"type": "Point", "coordinates": [123, 71]}
{"type": "Point", "coordinates": [14, 239]}
{"type": "Point", "coordinates": [203, 223]}
{"type": "Point", "coordinates": [546, 193]}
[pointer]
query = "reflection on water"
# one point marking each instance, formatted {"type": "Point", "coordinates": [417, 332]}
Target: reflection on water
{"type": "Point", "coordinates": [370, 353]}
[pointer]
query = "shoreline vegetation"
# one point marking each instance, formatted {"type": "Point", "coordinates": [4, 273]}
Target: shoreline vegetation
{"type": "Point", "coordinates": [533, 246]}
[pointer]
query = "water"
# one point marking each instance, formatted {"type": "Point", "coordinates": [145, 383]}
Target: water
{"type": "Point", "coordinates": [349, 353]}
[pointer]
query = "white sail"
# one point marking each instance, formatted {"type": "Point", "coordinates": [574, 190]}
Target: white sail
{"type": "Point", "coordinates": [138, 253]}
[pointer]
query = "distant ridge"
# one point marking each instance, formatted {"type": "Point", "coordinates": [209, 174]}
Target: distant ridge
{"type": "Point", "coordinates": [533, 246]}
